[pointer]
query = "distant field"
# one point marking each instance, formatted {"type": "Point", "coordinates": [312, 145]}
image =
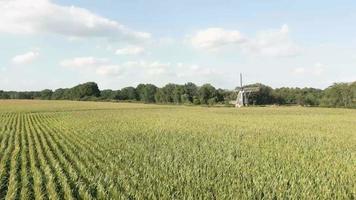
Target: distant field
{"type": "Point", "coordinates": [88, 150]}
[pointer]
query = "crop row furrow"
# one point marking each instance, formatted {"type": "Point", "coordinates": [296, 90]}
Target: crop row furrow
{"type": "Point", "coordinates": [26, 189]}
{"type": "Point", "coordinates": [105, 177]}
{"type": "Point", "coordinates": [8, 124]}
{"type": "Point", "coordinates": [61, 170]}
{"type": "Point", "coordinates": [39, 178]}
{"type": "Point", "coordinates": [6, 159]}
{"type": "Point", "coordinates": [51, 184]}
{"type": "Point", "coordinates": [69, 162]}
{"type": "Point", "coordinates": [87, 163]}
{"type": "Point", "coordinates": [5, 118]}
{"type": "Point", "coordinates": [14, 177]}
{"type": "Point", "coordinates": [5, 135]}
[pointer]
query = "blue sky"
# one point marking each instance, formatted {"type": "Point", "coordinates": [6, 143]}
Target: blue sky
{"type": "Point", "coordinates": [60, 43]}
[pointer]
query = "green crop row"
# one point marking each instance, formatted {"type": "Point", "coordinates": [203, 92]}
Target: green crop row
{"type": "Point", "coordinates": [75, 150]}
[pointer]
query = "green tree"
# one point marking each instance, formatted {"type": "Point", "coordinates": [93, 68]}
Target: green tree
{"type": "Point", "coordinates": [263, 96]}
{"type": "Point", "coordinates": [191, 90]}
{"type": "Point", "coordinates": [146, 92]}
{"type": "Point", "coordinates": [178, 91]}
{"type": "Point", "coordinates": [46, 94]}
{"type": "Point", "coordinates": [128, 93]}
{"type": "Point", "coordinates": [4, 95]}
{"type": "Point", "coordinates": [166, 93]}
{"type": "Point", "coordinates": [89, 89]}
{"type": "Point", "coordinates": [338, 95]}
{"type": "Point", "coordinates": [206, 92]}
{"type": "Point", "coordinates": [110, 94]}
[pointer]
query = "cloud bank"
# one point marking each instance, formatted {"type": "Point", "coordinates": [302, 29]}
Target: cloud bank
{"type": "Point", "coordinates": [139, 69]}
{"type": "Point", "coordinates": [268, 42]}
{"type": "Point", "coordinates": [130, 50]}
{"type": "Point", "coordinates": [43, 16]}
{"type": "Point", "coordinates": [214, 38]}
{"type": "Point", "coordinates": [25, 58]}
{"type": "Point", "coordinates": [316, 70]}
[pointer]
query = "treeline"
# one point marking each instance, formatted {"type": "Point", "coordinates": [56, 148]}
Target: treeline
{"type": "Point", "coordinates": [337, 95]}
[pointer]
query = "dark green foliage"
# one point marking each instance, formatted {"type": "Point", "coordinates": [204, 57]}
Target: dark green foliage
{"type": "Point", "coordinates": [206, 92]}
{"type": "Point", "coordinates": [59, 94]}
{"type": "Point", "coordinates": [46, 94]}
{"type": "Point", "coordinates": [171, 93]}
{"type": "Point", "coordinates": [165, 94]}
{"type": "Point", "coordinates": [337, 95]}
{"type": "Point", "coordinates": [196, 100]}
{"type": "Point", "coordinates": [21, 95]}
{"type": "Point", "coordinates": [146, 92]}
{"type": "Point", "coordinates": [110, 94]}
{"type": "Point", "coordinates": [340, 95]}
{"type": "Point", "coordinates": [89, 89]}
{"type": "Point", "coordinates": [4, 95]}
{"type": "Point", "coordinates": [191, 90]}
{"type": "Point", "coordinates": [128, 93]}
{"type": "Point", "coordinates": [263, 96]}
{"type": "Point", "coordinates": [305, 96]}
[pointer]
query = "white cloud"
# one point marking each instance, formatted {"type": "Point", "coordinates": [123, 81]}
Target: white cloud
{"type": "Point", "coordinates": [101, 66]}
{"type": "Point", "coordinates": [268, 42]}
{"type": "Point", "coordinates": [84, 62]}
{"type": "Point", "coordinates": [194, 71]}
{"type": "Point", "coordinates": [155, 71]}
{"type": "Point", "coordinates": [214, 38]}
{"type": "Point", "coordinates": [43, 16]}
{"type": "Point", "coordinates": [130, 50]}
{"type": "Point", "coordinates": [149, 68]}
{"type": "Point", "coordinates": [317, 70]}
{"type": "Point", "coordinates": [26, 58]}
{"type": "Point", "coordinates": [165, 41]}
{"type": "Point", "coordinates": [273, 43]}
{"type": "Point", "coordinates": [299, 70]}
{"type": "Point", "coordinates": [109, 70]}
{"type": "Point", "coordinates": [157, 68]}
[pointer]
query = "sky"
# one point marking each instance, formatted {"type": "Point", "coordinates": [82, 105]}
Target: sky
{"type": "Point", "coordinates": [116, 43]}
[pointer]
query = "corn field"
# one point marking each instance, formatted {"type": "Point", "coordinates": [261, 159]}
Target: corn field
{"type": "Point", "coordinates": [88, 150]}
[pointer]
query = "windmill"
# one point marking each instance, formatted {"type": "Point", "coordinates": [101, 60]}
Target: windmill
{"type": "Point", "coordinates": [243, 94]}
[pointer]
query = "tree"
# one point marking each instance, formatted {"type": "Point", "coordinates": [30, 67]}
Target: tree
{"type": "Point", "coordinates": [178, 91]}
{"type": "Point", "coordinates": [59, 94]}
{"type": "Point", "coordinates": [263, 96]}
{"type": "Point", "coordinates": [353, 91]}
{"type": "Point", "coordinates": [146, 92]}
{"type": "Point", "coordinates": [212, 101]}
{"type": "Point", "coordinates": [89, 89]}
{"type": "Point", "coordinates": [128, 93]}
{"type": "Point", "coordinates": [109, 94]}
{"type": "Point", "coordinates": [185, 99]}
{"type": "Point", "coordinates": [338, 95]}
{"type": "Point", "coordinates": [82, 91]}
{"type": "Point", "coordinates": [166, 93]}
{"type": "Point", "coordinates": [191, 90]}
{"type": "Point", "coordinates": [206, 92]}
{"type": "Point", "coordinates": [46, 94]}
{"type": "Point", "coordinates": [220, 95]}
{"type": "Point", "coordinates": [4, 95]}
{"type": "Point", "coordinates": [196, 100]}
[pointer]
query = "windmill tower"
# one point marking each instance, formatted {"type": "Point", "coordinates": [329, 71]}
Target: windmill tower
{"type": "Point", "coordinates": [243, 94]}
